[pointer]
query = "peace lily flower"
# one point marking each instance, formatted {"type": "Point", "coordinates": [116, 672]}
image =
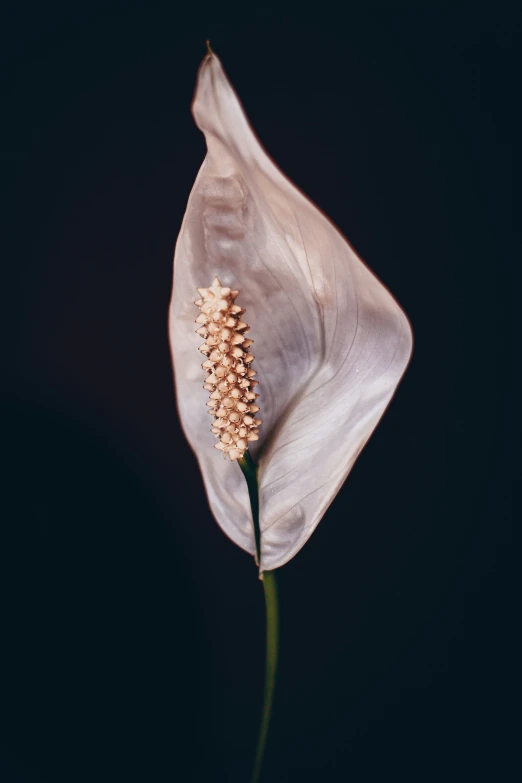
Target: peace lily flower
{"type": "Point", "coordinates": [331, 343]}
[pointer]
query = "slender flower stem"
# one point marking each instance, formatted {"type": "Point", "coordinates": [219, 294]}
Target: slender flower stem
{"type": "Point", "coordinates": [249, 469]}
{"type": "Point", "coordinates": [272, 645]}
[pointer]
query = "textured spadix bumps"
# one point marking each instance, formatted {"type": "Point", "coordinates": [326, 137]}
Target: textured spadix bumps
{"type": "Point", "coordinates": [331, 342]}
{"type": "Point", "coordinates": [230, 378]}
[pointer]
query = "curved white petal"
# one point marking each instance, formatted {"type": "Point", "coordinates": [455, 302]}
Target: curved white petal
{"type": "Point", "coordinates": [331, 343]}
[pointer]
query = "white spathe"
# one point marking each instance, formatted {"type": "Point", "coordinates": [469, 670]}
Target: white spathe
{"type": "Point", "coordinates": [331, 343]}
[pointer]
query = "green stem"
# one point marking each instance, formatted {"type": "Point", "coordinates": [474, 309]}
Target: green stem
{"type": "Point", "coordinates": [249, 469]}
{"type": "Point", "coordinates": [272, 644]}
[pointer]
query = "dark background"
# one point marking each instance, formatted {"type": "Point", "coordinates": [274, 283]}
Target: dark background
{"type": "Point", "coordinates": [132, 628]}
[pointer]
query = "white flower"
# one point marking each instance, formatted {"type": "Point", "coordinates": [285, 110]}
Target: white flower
{"type": "Point", "coordinates": [331, 342]}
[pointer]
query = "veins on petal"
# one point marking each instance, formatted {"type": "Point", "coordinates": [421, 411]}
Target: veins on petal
{"type": "Point", "coordinates": [288, 510]}
{"type": "Point", "coordinates": [348, 352]}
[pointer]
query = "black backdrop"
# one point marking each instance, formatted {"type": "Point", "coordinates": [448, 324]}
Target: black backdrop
{"type": "Point", "coordinates": [132, 628]}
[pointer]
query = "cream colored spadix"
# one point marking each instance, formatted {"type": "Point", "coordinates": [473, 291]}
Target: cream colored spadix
{"type": "Point", "coordinates": [331, 342]}
{"type": "Point", "coordinates": [230, 376]}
